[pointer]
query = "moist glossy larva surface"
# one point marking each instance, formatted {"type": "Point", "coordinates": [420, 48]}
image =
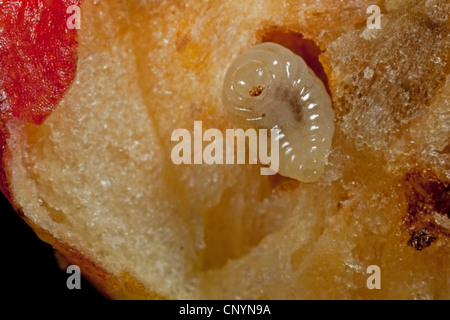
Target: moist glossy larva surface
{"type": "Point", "coordinates": [270, 87]}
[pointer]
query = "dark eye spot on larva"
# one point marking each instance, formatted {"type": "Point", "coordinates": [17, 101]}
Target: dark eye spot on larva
{"type": "Point", "coordinates": [428, 209]}
{"type": "Point", "coordinates": [256, 91]}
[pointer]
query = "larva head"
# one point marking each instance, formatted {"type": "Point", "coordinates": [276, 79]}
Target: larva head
{"type": "Point", "coordinates": [250, 80]}
{"type": "Point", "coordinates": [254, 80]}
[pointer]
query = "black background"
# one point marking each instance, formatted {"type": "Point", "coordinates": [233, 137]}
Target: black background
{"type": "Point", "coordinates": [28, 266]}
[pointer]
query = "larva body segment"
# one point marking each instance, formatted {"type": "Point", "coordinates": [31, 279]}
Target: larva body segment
{"type": "Point", "coordinates": [271, 87]}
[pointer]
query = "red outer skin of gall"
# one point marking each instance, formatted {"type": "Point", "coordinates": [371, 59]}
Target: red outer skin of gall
{"type": "Point", "coordinates": [38, 62]}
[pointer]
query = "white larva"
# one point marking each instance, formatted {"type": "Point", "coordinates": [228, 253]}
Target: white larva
{"type": "Point", "coordinates": [271, 87]}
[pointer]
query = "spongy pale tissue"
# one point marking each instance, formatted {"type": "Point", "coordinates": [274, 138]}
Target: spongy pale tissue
{"type": "Point", "coordinates": [258, 240]}
{"type": "Point", "coordinates": [270, 87]}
